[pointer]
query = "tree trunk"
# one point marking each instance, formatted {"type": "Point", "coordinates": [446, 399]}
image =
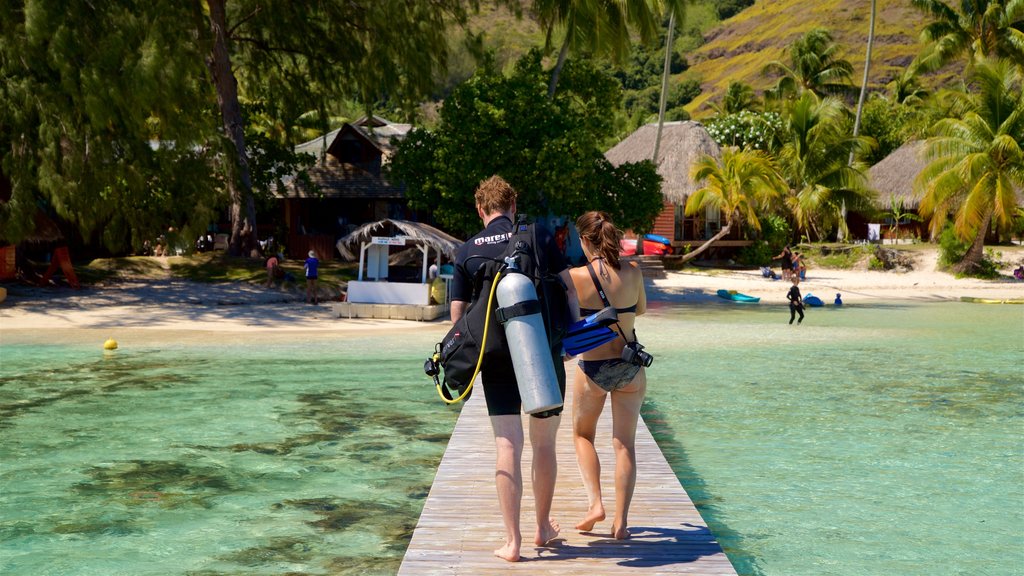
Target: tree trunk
{"type": "Point", "coordinates": [721, 234]}
{"type": "Point", "coordinates": [243, 207]}
{"type": "Point", "coordinates": [972, 260]}
{"type": "Point", "coordinates": [863, 92]}
{"type": "Point", "coordinates": [557, 71]}
{"type": "Point", "coordinates": [664, 84]}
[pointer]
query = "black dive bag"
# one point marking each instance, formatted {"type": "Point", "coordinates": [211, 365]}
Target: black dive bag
{"type": "Point", "coordinates": [459, 350]}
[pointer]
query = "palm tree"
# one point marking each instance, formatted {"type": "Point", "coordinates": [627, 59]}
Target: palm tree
{"type": "Point", "coordinates": [814, 65]}
{"type": "Point", "coordinates": [976, 168]}
{"type": "Point", "coordinates": [815, 162]}
{"type": "Point", "coordinates": [906, 88]}
{"type": "Point", "coordinates": [980, 29]}
{"type": "Point", "coordinates": [601, 27]}
{"type": "Point", "coordinates": [867, 67]}
{"type": "Point", "coordinates": [738, 97]}
{"type": "Point", "coordinates": [743, 185]}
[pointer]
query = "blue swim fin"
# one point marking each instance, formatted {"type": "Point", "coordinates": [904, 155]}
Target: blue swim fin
{"type": "Point", "coordinates": [590, 332]}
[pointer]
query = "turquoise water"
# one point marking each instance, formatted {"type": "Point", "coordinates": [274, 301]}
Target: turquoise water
{"type": "Point", "coordinates": [868, 441]}
{"type": "Point", "coordinates": [249, 458]}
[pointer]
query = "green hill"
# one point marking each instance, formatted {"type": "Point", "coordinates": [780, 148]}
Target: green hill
{"type": "Point", "coordinates": [738, 48]}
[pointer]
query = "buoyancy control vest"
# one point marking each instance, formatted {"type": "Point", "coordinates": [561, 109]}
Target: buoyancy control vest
{"type": "Point", "coordinates": [478, 337]}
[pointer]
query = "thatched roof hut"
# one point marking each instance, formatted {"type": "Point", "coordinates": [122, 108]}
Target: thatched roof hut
{"type": "Point", "coordinates": [415, 232]}
{"type": "Point", "coordinates": [682, 144]}
{"type": "Point", "coordinates": [893, 177]}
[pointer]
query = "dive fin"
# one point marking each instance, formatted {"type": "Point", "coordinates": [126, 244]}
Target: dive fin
{"type": "Point", "coordinates": [590, 332]}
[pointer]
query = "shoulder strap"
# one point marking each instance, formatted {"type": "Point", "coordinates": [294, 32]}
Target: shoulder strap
{"type": "Point", "coordinates": [604, 298]}
{"type": "Point", "coordinates": [597, 283]}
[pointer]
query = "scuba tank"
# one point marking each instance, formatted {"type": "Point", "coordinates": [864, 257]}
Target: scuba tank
{"type": "Point", "coordinates": [520, 313]}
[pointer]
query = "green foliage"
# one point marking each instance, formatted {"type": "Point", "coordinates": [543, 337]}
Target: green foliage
{"type": "Point", "coordinates": [748, 129]}
{"type": "Point", "coordinates": [815, 162]}
{"type": "Point", "coordinates": [951, 248]}
{"type": "Point", "coordinates": [729, 8]}
{"type": "Point", "coordinates": [111, 134]}
{"type": "Point", "coordinates": [814, 65]}
{"type": "Point", "coordinates": [640, 77]}
{"type": "Point", "coordinates": [891, 124]}
{"type": "Point", "coordinates": [742, 187]}
{"type": "Point", "coordinates": [549, 149]}
{"type": "Point", "coordinates": [976, 161]}
{"type": "Point", "coordinates": [979, 30]}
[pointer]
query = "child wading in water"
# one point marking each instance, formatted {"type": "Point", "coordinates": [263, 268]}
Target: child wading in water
{"type": "Point", "coordinates": [796, 301]}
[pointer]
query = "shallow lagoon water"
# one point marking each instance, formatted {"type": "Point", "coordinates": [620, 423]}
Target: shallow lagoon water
{"type": "Point", "coordinates": [241, 458]}
{"type": "Point", "coordinates": [868, 441]}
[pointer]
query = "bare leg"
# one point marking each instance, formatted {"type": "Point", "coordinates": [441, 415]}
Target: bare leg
{"type": "Point", "coordinates": [508, 478]}
{"type": "Point", "coordinates": [588, 402]}
{"type": "Point", "coordinates": [545, 471]}
{"type": "Point", "coordinates": [625, 413]}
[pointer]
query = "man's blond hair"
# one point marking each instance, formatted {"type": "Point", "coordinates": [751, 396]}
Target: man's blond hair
{"type": "Point", "coordinates": [495, 195]}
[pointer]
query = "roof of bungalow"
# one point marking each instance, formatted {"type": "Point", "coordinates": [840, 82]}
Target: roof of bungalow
{"type": "Point", "coordinates": [376, 130]}
{"type": "Point", "coordinates": [335, 179]}
{"type": "Point", "coordinates": [682, 144]}
{"type": "Point", "coordinates": [893, 176]}
{"type": "Point", "coordinates": [417, 232]}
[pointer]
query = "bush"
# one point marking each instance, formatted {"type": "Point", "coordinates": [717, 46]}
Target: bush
{"type": "Point", "coordinates": [729, 8]}
{"type": "Point", "coordinates": [747, 129]}
{"type": "Point", "coordinates": [951, 248]}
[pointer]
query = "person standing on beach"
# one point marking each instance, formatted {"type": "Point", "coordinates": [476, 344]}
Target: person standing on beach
{"type": "Point", "coordinates": [273, 269]}
{"type": "Point", "coordinates": [312, 269]}
{"type": "Point", "coordinates": [496, 206]}
{"type": "Point", "coordinates": [787, 261]}
{"type": "Point", "coordinates": [796, 301]}
{"type": "Point", "coordinates": [603, 371]}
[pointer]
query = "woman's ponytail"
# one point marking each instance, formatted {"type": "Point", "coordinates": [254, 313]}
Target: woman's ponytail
{"type": "Point", "coordinates": [600, 232]}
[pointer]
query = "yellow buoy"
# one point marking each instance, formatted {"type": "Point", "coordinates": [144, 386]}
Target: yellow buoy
{"type": "Point", "coordinates": [110, 344]}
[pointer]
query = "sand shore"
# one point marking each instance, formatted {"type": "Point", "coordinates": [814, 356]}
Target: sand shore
{"type": "Point", "coordinates": [187, 306]}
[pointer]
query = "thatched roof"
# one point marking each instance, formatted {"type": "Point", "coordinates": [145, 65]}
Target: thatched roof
{"type": "Point", "coordinates": [893, 176]}
{"type": "Point", "coordinates": [415, 231]}
{"type": "Point", "coordinates": [682, 144]}
{"type": "Point", "coordinates": [340, 180]}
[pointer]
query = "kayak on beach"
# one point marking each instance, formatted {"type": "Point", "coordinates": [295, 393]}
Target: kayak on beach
{"type": "Point", "coordinates": [737, 297]}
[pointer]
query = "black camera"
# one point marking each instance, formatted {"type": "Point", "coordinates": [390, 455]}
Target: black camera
{"type": "Point", "coordinates": [634, 354]}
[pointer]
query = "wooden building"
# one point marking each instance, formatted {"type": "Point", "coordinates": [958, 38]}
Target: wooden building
{"type": "Point", "coordinates": [893, 179]}
{"type": "Point", "coordinates": [346, 187]}
{"type": "Point", "coordinates": [682, 144]}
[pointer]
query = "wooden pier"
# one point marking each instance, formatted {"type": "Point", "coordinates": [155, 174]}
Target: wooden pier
{"type": "Point", "coordinates": [461, 525]}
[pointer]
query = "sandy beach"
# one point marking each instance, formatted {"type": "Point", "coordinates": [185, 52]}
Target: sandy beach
{"type": "Point", "coordinates": [188, 306]}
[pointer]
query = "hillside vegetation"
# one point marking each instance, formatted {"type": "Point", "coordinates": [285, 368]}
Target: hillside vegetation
{"type": "Point", "coordinates": [738, 48]}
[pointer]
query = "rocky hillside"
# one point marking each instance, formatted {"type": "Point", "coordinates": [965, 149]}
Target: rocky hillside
{"type": "Point", "coordinates": [738, 48]}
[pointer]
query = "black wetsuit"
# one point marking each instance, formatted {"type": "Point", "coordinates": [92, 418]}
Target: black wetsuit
{"type": "Point", "coordinates": [498, 376]}
{"type": "Point", "coordinates": [796, 304]}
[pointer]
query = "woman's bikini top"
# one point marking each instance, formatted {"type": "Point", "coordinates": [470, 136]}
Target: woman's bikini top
{"type": "Point", "coordinates": [600, 292]}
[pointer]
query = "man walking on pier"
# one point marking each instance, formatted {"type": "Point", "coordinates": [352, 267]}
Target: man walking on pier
{"type": "Point", "coordinates": [496, 205]}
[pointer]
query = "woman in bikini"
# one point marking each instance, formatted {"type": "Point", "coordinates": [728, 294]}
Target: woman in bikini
{"type": "Point", "coordinates": [602, 371]}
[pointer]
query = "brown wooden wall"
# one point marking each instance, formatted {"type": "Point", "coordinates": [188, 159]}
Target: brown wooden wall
{"type": "Point", "coordinates": [665, 223]}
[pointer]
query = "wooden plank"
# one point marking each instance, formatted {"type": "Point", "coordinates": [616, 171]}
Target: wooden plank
{"type": "Point", "coordinates": [461, 525]}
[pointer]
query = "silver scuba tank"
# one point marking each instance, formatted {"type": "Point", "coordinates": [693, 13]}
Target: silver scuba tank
{"type": "Point", "coordinates": [519, 312]}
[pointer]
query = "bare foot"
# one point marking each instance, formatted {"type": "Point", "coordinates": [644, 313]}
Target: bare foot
{"type": "Point", "coordinates": [547, 533]}
{"type": "Point", "coordinates": [620, 533]}
{"type": "Point", "coordinates": [508, 552]}
{"type": "Point", "coordinates": [594, 515]}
